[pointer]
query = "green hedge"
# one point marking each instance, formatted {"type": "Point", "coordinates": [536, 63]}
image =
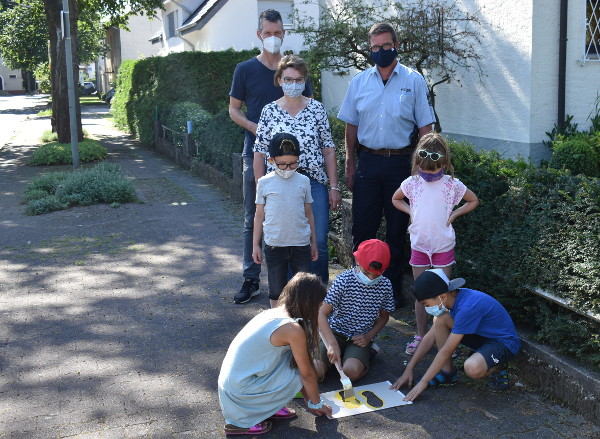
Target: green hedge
{"type": "Point", "coordinates": [157, 83]}
{"type": "Point", "coordinates": [534, 228]}
{"type": "Point", "coordinates": [579, 153]}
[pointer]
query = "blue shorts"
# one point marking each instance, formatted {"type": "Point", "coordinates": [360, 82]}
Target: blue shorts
{"type": "Point", "coordinates": [494, 351]}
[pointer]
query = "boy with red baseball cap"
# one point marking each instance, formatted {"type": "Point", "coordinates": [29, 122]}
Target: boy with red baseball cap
{"type": "Point", "coordinates": [356, 308]}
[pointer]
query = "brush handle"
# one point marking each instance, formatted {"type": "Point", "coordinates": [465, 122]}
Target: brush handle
{"type": "Point", "coordinates": [343, 376]}
{"type": "Point", "coordinates": [337, 366]}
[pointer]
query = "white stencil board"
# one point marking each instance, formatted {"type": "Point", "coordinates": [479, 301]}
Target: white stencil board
{"type": "Point", "coordinates": [369, 398]}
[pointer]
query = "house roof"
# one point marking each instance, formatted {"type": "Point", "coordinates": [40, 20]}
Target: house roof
{"type": "Point", "coordinates": [202, 15]}
{"type": "Point", "coordinates": [156, 37]}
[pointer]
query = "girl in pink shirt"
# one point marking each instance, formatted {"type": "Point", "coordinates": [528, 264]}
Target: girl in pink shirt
{"type": "Point", "coordinates": [432, 192]}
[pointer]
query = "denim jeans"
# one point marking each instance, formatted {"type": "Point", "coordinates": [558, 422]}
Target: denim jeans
{"type": "Point", "coordinates": [320, 208]}
{"type": "Point", "coordinates": [250, 270]}
{"type": "Point", "coordinates": [279, 260]}
{"type": "Point", "coordinates": [377, 178]}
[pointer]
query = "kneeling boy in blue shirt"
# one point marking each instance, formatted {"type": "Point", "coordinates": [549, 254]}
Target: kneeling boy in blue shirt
{"type": "Point", "coordinates": [461, 316]}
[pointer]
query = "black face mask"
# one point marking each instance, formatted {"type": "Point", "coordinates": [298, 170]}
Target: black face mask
{"type": "Point", "coordinates": [384, 58]}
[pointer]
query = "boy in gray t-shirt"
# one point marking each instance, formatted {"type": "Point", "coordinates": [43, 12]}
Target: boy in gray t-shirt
{"type": "Point", "coordinates": [284, 212]}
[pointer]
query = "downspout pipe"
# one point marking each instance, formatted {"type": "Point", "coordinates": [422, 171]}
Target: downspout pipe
{"type": "Point", "coordinates": [562, 63]}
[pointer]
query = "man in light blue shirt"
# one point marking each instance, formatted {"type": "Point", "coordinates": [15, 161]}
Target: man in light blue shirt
{"type": "Point", "coordinates": [384, 108]}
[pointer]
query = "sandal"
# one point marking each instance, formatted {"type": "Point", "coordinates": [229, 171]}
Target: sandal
{"type": "Point", "coordinates": [443, 378]}
{"type": "Point", "coordinates": [411, 348]}
{"type": "Point", "coordinates": [498, 381]}
{"type": "Point", "coordinates": [284, 413]}
{"type": "Point", "coordinates": [263, 427]}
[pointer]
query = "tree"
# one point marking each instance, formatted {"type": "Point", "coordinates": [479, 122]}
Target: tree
{"type": "Point", "coordinates": [435, 37]}
{"type": "Point", "coordinates": [115, 12]}
{"type": "Point", "coordinates": [24, 36]}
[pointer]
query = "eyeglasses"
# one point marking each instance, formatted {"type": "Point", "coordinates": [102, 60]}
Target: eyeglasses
{"type": "Point", "coordinates": [299, 80]}
{"type": "Point", "coordinates": [386, 46]}
{"type": "Point", "coordinates": [284, 166]}
{"type": "Point", "coordinates": [434, 156]}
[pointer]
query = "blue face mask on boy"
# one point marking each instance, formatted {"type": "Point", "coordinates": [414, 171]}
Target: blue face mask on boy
{"type": "Point", "coordinates": [435, 310]}
{"type": "Point", "coordinates": [364, 278]}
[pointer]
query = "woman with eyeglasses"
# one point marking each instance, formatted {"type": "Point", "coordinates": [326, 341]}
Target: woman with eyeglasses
{"type": "Point", "coordinates": [433, 192]}
{"type": "Point", "coordinates": [306, 119]}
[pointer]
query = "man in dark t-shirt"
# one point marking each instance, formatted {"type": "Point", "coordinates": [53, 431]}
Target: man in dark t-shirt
{"type": "Point", "coordinates": [253, 85]}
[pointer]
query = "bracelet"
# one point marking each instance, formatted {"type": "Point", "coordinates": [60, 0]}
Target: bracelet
{"type": "Point", "coordinates": [333, 188]}
{"type": "Point", "coordinates": [318, 406]}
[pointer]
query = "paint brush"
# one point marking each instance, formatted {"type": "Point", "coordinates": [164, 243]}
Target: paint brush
{"type": "Point", "coordinates": [347, 385]}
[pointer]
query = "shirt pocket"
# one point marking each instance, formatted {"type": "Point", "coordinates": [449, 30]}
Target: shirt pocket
{"type": "Point", "coordinates": [404, 106]}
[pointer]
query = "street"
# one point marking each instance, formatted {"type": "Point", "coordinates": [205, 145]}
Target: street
{"type": "Point", "coordinates": [15, 109]}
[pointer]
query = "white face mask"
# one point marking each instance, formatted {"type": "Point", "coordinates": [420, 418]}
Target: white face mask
{"type": "Point", "coordinates": [293, 90]}
{"type": "Point", "coordinates": [285, 173]}
{"type": "Point", "coordinates": [272, 44]}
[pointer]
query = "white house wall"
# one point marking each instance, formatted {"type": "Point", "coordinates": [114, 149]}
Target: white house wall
{"type": "Point", "coordinates": [8, 83]}
{"type": "Point", "coordinates": [582, 79]}
{"type": "Point", "coordinates": [217, 34]}
{"type": "Point", "coordinates": [494, 111]}
{"type": "Point", "coordinates": [135, 43]}
{"type": "Point", "coordinates": [177, 43]}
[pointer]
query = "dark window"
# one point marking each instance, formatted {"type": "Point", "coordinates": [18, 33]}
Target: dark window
{"type": "Point", "coordinates": [171, 24]}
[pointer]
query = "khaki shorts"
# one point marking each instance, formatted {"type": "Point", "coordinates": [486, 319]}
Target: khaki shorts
{"type": "Point", "coordinates": [348, 350]}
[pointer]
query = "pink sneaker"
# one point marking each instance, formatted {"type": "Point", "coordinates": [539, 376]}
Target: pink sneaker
{"type": "Point", "coordinates": [411, 347]}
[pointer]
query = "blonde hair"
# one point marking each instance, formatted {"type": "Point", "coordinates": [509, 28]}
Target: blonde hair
{"type": "Point", "coordinates": [432, 142]}
{"type": "Point", "coordinates": [293, 62]}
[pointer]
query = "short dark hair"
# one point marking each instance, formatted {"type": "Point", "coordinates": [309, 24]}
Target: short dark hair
{"type": "Point", "coordinates": [290, 61]}
{"type": "Point", "coordinates": [382, 28]}
{"type": "Point", "coordinates": [270, 15]}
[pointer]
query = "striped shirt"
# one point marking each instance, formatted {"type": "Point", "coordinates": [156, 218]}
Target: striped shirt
{"type": "Point", "coordinates": [355, 305]}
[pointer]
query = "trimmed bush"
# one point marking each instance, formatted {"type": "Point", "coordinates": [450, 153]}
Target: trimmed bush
{"type": "Point", "coordinates": [579, 154]}
{"type": "Point", "coordinates": [55, 153]}
{"type": "Point", "coordinates": [149, 87]}
{"type": "Point", "coordinates": [104, 183]}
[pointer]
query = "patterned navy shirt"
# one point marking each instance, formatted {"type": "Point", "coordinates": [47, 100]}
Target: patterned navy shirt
{"type": "Point", "coordinates": [355, 305]}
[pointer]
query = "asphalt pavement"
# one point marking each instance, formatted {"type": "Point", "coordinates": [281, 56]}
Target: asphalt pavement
{"type": "Point", "coordinates": [114, 320]}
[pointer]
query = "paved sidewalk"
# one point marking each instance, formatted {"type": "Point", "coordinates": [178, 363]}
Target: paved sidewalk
{"type": "Point", "coordinates": [114, 321]}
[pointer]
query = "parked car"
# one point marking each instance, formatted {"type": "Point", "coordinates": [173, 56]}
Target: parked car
{"type": "Point", "coordinates": [88, 88]}
{"type": "Point", "coordinates": [107, 97]}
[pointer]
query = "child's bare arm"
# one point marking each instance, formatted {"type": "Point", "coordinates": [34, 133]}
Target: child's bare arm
{"type": "Point", "coordinates": [363, 340]}
{"type": "Point", "coordinates": [314, 252]}
{"type": "Point", "coordinates": [399, 203]}
{"type": "Point", "coordinates": [259, 218]}
{"type": "Point", "coordinates": [333, 349]}
{"type": "Point", "coordinates": [471, 203]}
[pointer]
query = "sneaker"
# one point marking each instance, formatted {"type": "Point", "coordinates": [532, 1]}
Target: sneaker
{"type": "Point", "coordinates": [411, 347]}
{"type": "Point", "coordinates": [249, 289]}
{"type": "Point", "coordinates": [498, 381]}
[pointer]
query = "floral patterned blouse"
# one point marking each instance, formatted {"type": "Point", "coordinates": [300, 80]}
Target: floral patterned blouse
{"type": "Point", "coordinates": [311, 128]}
